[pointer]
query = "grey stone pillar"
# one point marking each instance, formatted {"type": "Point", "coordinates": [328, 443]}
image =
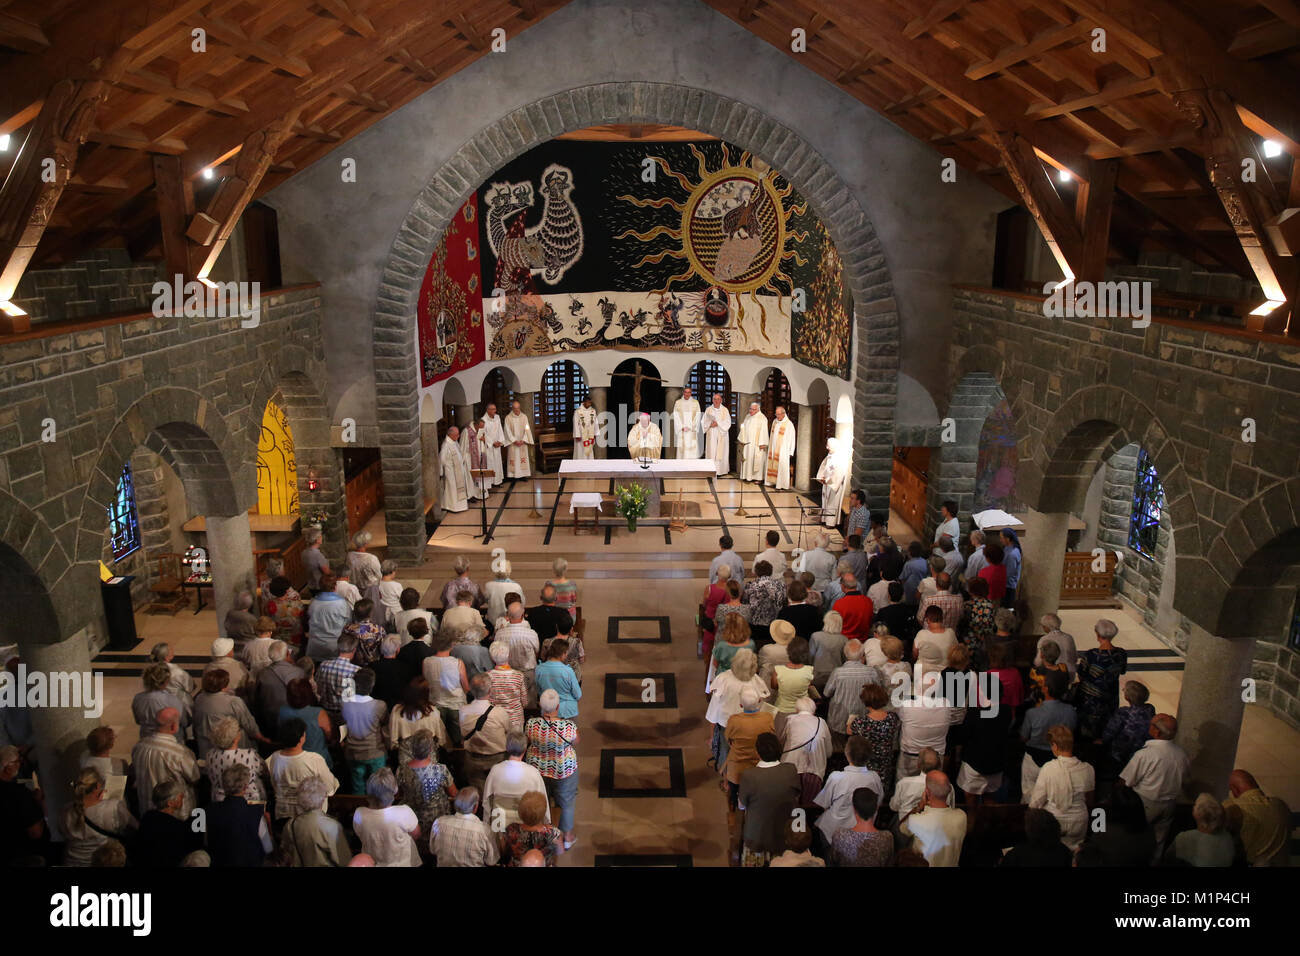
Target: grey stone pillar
{"type": "Point", "coordinates": [230, 550]}
{"type": "Point", "coordinates": [60, 732]}
{"type": "Point", "coordinates": [327, 466]}
{"type": "Point", "coordinates": [432, 466]}
{"type": "Point", "coordinates": [600, 402]}
{"type": "Point", "coordinates": [1210, 707]}
{"type": "Point", "coordinates": [804, 451]}
{"type": "Point", "coordinates": [671, 395]}
{"type": "Point", "coordinates": [1042, 563]}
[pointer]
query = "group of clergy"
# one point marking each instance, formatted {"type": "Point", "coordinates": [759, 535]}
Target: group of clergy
{"type": "Point", "coordinates": [477, 458]}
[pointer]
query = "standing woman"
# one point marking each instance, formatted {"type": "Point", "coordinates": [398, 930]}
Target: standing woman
{"type": "Point", "coordinates": [725, 700]}
{"type": "Point", "coordinates": [880, 726]}
{"type": "Point", "coordinates": [551, 740]}
{"type": "Point", "coordinates": [714, 594]}
{"type": "Point", "coordinates": [91, 818]}
{"type": "Point", "coordinates": [995, 572]}
{"type": "Point", "coordinates": [1099, 672]}
{"type": "Point", "coordinates": [735, 638]}
{"type": "Point", "coordinates": [365, 568]}
{"type": "Point", "coordinates": [566, 592]}
{"type": "Point", "coordinates": [1011, 557]}
{"type": "Point", "coordinates": [448, 685]}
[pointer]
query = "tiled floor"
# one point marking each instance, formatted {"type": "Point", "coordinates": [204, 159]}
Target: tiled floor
{"type": "Point", "coordinates": [662, 805]}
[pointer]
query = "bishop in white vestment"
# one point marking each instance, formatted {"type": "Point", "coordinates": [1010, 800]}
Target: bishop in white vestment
{"type": "Point", "coordinates": [779, 449]}
{"type": "Point", "coordinates": [686, 423]}
{"type": "Point", "coordinates": [455, 473]}
{"type": "Point", "coordinates": [753, 445]}
{"type": "Point", "coordinates": [584, 432]}
{"type": "Point", "coordinates": [519, 435]}
{"type": "Point", "coordinates": [833, 474]}
{"type": "Point", "coordinates": [645, 440]}
{"type": "Point", "coordinates": [494, 439]}
{"type": "Point", "coordinates": [717, 434]}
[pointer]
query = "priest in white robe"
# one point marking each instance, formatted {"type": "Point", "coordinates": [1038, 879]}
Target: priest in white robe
{"type": "Point", "coordinates": [717, 434]}
{"type": "Point", "coordinates": [645, 440]}
{"type": "Point", "coordinates": [834, 475]}
{"type": "Point", "coordinates": [584, 432]}
{"type": "Point", "coordinates": [780, 447]}
{"type": "Point", "coordinates": [519, 435]}
{"type": "Point", "coordinates": [455, 473]}
{"type": "Point", "coordinates": [686, 425]}
{"type": "Point", "coordinates": [753, 445]}
{"type": "Point", "coordinates": [494, 440]}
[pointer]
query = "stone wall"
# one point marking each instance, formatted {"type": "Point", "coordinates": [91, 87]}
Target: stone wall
{"type": "Point", "coordinates": [102, 282]}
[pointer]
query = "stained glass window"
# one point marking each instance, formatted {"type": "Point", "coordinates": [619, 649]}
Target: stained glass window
{"type": "Point", "coordinates": [777, 392]}
{"type": "Point", "coordinates": [1148, 505]}
{"type": "Point", "coordinates": [123, 523]}
{"type": "Point", "coordinates": [563, 388]}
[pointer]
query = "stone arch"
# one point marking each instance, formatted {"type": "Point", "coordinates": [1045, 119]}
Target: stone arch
{"type": "Point", "coordinates": [40, 586]}
{"type": "Point", "coordinates": [953, 466]}
{"type": "Point", "coordinates": [980, 358]}
{"type": "Point", "coordinates": [865, 268]}
{"type": "Point", "coordinates": [818, 392]}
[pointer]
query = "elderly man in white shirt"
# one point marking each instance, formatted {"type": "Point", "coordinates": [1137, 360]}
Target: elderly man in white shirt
{"type": "Point", "coordinates": [524, 645]}
{"type": "Point", "coordinates": [507, 782]}
{"type": "Point", "coordinates": [935, 828]}
{"type": "Point", "coordinates": [1157, 772]}
{"type": "Point", "coordinates": [836, 796]}
{"type": "Point", "coordinates": [924, 723]}
{"type": "Point", "coordinates": [908, 791]}
{"type": "Point", "coordinates": [821, 563]}
{"type": "Point", "coordinates": [1052, 632]}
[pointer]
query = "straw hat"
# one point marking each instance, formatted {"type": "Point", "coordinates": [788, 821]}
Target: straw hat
{"type": "Point", "coordinates": [782, 632]}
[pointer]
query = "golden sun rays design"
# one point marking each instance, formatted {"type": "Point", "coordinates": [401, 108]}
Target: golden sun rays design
{"type": "Point", "coordinates": [733, 231]}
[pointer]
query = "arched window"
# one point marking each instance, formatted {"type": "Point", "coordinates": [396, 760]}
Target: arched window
{"type": "Point", "coordinates": [1148, 506]}
{"type": "Point", "coordinates": [563, 388]}
{"type": "Point", "coordinates": [123, 522]}
{"type": "Point", "coordinates": [709, 378]}
{"type": "Point", "coordinates": [776, 391]}
{"type": "Point", "coordinates": [496, 390]}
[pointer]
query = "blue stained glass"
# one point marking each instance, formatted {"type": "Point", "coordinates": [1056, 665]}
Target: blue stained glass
{"type": "Point", "coordinates": [1148, 506]}
{"type": "Point", "coordinates": [123, 522]}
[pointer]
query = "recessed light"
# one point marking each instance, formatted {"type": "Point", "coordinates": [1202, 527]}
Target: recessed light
{"type": "Point", "coordinates": [4, 143]}
{"type": "Point", "coordinates": [207, 173]}
{"type": "Point", "coordinates": [1064, 175]}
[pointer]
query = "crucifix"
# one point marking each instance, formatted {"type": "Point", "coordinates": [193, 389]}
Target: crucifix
{"type": "Point", "coordinates": [637, 379]}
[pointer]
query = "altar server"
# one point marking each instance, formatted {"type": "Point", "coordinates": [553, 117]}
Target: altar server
{"type": "Point", "coordinates": [686, 425]}
{"type": "Point", "coordinates": [584, 432]}
{"type": "Point", "coordinates": [494, 439]}
{"type": "Point", "coordinates": [455, 473]}
{"type": "Point", "coordinates": [779, 449]}
{"type": "Point", "coordinates": [645, 440]}
{"type": "Point", "coordinates": [717, 434]}
{"type": "Point", "coordinates": [519, 435]}
{"type": "Point", "coordinates": [753, 445]}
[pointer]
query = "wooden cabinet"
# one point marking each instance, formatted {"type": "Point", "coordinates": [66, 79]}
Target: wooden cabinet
{"type": "Point", "coordinates": [908, 494]}
{"type": "Point", "coordinates": [365, 496]}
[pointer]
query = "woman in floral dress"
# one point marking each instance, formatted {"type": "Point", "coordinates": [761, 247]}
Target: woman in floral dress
{"type": "Point", "coordinates": [532, 832]}
{"type": "Point", "coordinates": [880, 727]}
{"type": "Point", "coordinates": [425, 785]}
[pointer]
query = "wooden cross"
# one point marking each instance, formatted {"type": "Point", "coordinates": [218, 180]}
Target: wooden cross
{"type": "Point", "coordinates": [637, 379]}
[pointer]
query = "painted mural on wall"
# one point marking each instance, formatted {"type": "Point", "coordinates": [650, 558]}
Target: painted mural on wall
{"type": "Point", "coordinates": [277, 469]}
{"type": "Point", "coordinates": [449, 313]}
{"type": "Point", "coordinates": [677, 246]}
{"type": "Point", "coordinates": [995, 471]}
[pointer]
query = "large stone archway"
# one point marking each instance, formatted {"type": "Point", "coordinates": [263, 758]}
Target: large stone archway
{"type": "Point", "coordinates": [876, 356]}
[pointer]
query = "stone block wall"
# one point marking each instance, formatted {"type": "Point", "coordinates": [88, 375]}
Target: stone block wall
{"type": "Point", "coordinates": [102, 282]}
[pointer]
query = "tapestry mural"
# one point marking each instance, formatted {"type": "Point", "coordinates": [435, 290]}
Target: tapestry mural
{"type": "Point", "coordinates": [995, 471]}
{"type": "Point", "coordinates": [679, 246]}
{"type": "Point", "coordinates": [277, 470]}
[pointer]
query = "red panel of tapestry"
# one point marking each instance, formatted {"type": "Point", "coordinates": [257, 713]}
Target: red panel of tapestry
{"type": "Point", "coordinates": [450, 310]}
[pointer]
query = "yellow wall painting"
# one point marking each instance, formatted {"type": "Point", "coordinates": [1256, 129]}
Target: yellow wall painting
{"type": "Point", "coordinates": [277, 471]}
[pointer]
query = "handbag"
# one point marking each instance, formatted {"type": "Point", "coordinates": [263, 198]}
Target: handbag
{"type": "Point", "coordinates": [128, 840]}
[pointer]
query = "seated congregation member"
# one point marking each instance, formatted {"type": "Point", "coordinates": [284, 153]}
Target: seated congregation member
{"type": "Point", "coordinates": [532, 832]}
{"type": "Point", "coordinates": [774, 556]}
{"type": "Point", "coordinates": [336, 678]}
{"type": "Point", "coordinates": [807, 620]}
{"type": "Point", "coordinates": [1127, 729]}
{"type": "Point", "coordinates": [92, 818]}
{"type": "Point", "coordinates": [1261, 822]}
{"type": "Point", "coordinates": [806, 740]}
{"type": "Point", "coordinates": [313, 837]}
{"type": "Point", "coordinates": [300, 704]}
{"type": "Point", "coordinates": [798, 848]}
{"type": "Point", "coordinates": [418, 645]}
{"type": "Point", "coordinates": [364, 744]}
{"type": "Point", "coordinates": [217, 701]}
{"type": "Point", "coordinates": [765, 596]}
{"type": "Point", "coordinates": [1127, 840]}
{"type": "Point", "coordinates": [389, 831]}
{"type": "Point", "coordinates": [409, 610]}
{"type": "Point", "coordinates": [292, 764]}
{"type": "Point", "coordinates": [460, 838]}
{"type": "Point", "coordinates": [227, 752]}
{"type": "Point", "coordinates": [741, 735]}
{"type": "Point", "coordinates": [733, 637]}
{"type": "Point", "coordinates": [424, 784]}
{"type": "Point", "coordinates": [448, 685]}
{"type": "Point", "coordinates": [826, 648]}
{"type": "Point", "coordinates": [946, 599]}
{"type": "Point", "coordinates": [1042, 844]}
{"type": "Point", "coordinates": [366, 632]}
{"type": "Point", "coordinates": [391, 675]}
{"type": "Point", "coordinates": [554, 674]}
{"type": "Point", "coordinates": [551, 740]}
{"type": "Point", "coordinates": [509, 688]}
{"type": "Point", "coordinates": [836, 797]}
{"type": "Point", "coordinates": [724, 700]}
{"type": "Point", "coordinates": [413, 714]}
{"type": "Point", "coordinates": [160, 758]}
{"type": "Point", "coordinates": [854, 609]}
{"type": "Point", "coordinates": [1210, 843]}
{"type": "Point", "coordinates": [1065, 787]}
{"type": "Point", "coordinates": [157, 697]}
{"type": "Point", "coordinates": [546, 618]}
{"type": "Point", "coordinates": [462, 582]}
{"type": "Point", "coordinates": [223, 657]}
{"type": "Point", "coordinates": [238, 831]}
{"type": "Point", "coordinates": [271, 687]}
{"type": "Point", "coordinates": [167, 835]}
{"type": "Point", "coordinates": [878, 729]}
{"type": "Point", "coordinates": [768, 793]}
{"type": "Point", "coordinates": [508, 781]}
{"type": "Point", "coordinates": [483, 728]}
{"type": "Point", "coordinates": [862, 844]}
{"type": "Point", "coordinates": [1033, 731]}
{"type": "Point", "coordinates": [1157, 772]}
{"type": "Point", "coordinates": [327, 615]}
{"type": "Point", "coordinates": [932, 644]}
{"type": "Point", "coordinates": [935, 828]}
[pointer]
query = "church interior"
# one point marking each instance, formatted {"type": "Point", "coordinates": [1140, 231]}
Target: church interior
{"type": "Point", "coordinates": [323, 318]}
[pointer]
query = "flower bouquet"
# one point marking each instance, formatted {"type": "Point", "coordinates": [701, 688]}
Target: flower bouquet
{"type": "Point", "coordinates": [631, 502]}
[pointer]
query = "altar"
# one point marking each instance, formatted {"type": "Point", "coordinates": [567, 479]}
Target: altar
{"type": "Point", "coordinates": [626, 471]}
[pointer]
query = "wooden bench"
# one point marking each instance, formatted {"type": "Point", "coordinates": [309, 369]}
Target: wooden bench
{"type": "Point", "coordinates": [552, 448]}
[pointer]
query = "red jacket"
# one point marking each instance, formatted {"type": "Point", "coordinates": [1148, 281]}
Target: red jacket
{"type": "Point", "coordinates": [856, 609]}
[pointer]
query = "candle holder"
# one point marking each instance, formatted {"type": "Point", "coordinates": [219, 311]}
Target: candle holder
{"type": "Point", "coordinates": [644, 461]}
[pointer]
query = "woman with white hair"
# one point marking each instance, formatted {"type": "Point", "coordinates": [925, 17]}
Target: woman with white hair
{"type": "Point", "coordinates": [92, 818]}
{"type": "Point", "coordinates": [389, 833]}
{"type": "Point", "coordinates": [496, 590]}
{"type": "Point", "coordinates": [1210, 844]}
{"type": "Point", "coordinates": [551, 740]}
{"type": "Point", "coordinates": [225, 752]}
{"type": "Point", "coordinates": [566, 592]}
{"type": "Point", "coordinates": [461, 582]}
{"type": "Point", "coordinates": [725, 700]}
{"type": "Point", "coordinates": [509, 687]}
{"type": "Point", "coordinates": [387, 597]}
{"type": "Point", "coordinates": [181, 682]}
{"type": "Point", "coordinates": [742, 733]}
{"type": "Point", "coordinates": [1100, 669]}
{"type": "Point", "coordinates": [313, 837]}
{"type": "Point", "coordinates": [313, 561]}
{"type": "Point", "coordinates": [806, 739]}
{"type": "Point", "coordinates": [424, 784]}
{"type": "Point", "coordinates": [364, 568]}
{"type": "Point", "coordinates": [827, 648]}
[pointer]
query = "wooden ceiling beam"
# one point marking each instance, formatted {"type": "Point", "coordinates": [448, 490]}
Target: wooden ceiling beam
{"type": "Point", "coordinates": [22, 34]}
{"type": "Point", "coordinates": [358, 23]}
{"type": "Point", "coordinates": [1113, 91]}
{"type": "Point", "coordinates": [1047, 40]}
{"type": "Point", "coordinates": [1264, 39]}
{"type": "Point", "coordinates": [151, 82]}
{"type": "Point", "coordinates": [246, 47]}
{"type": "Point", "coordinates": [942, 10]}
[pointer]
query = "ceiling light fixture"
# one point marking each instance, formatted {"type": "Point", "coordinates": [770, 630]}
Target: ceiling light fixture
{"type": "Point", "coordinates": [1272, 148]}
